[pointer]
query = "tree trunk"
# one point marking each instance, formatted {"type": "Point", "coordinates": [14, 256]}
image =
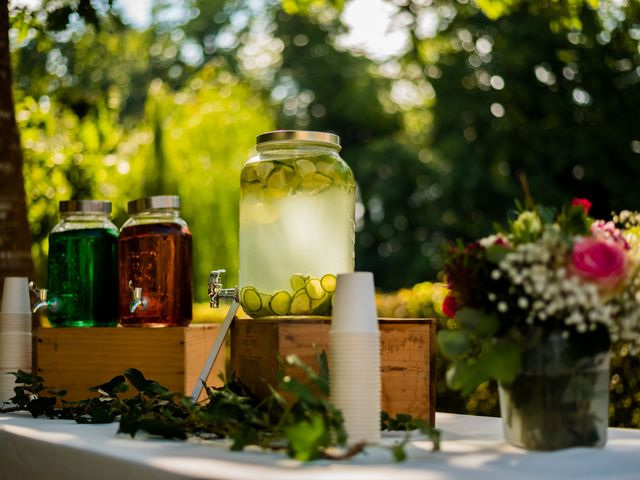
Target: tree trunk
{"type": "Point", "coordinates": [15, 237]}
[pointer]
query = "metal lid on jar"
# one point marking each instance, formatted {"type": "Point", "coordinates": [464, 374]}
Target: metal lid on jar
{"type": "Point", "coordinates": [158, 202]}
{"type": "Point", "coordinates": [324, 138]}
{"type": "Point", "coordinates": [85, 206]}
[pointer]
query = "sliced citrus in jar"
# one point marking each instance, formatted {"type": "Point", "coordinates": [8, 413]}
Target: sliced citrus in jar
{"type": "Point", "coordinates": [305, 167]}
{"type": "Point", "coordinates": [263, 169]}
{"type": "Point", "coordinates": [280, 303]}
{"type": "Point", "coordinates": [314, 289]}
{"type": "Point", "coordinates": [298, 281]}
{"type": "Point", "coordinates": [300, 304]}
{"type": "Point", "coordinates": [315, 183]}
{"type": "Point", "coordinates": [250, 299]}
{"type": "Point", "coordinates": [328, 282]}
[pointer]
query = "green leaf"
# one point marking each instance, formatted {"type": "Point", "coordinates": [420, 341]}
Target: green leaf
{"type": "Point", "coordinates": [115, 385]}
{"type": "Point", "coordinates": [163, 428]}
{"type": "Point", "coordinates": [501, 361]}
{"type": "Point", "coordinates": [26, 377]}
{"type": "Point", "coordinates": [306, 438]}
{"type": "Point", "coordinates": [399, 455]}
{"type": "Point", "coordinates": [477, 322]}
{"type": "Point", "coordinates": [466, 375]}
{"type": "Point", "coordinates": [453, 344]}
{"type": "Point", "coordinates": [136, 378]}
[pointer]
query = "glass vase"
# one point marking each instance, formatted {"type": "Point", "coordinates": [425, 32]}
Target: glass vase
{"type": "Point", "coordinates": [558, 400]}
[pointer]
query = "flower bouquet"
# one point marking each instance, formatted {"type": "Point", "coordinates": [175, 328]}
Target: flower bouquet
{"type": "Point", "coordinates": [536, 307]}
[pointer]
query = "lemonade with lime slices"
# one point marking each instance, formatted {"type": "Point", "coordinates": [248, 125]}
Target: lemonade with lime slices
{"type": "Point", "coordinates": [296, 224]}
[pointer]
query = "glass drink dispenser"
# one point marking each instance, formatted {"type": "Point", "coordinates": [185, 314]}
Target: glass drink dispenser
{"type": "Point", "coordinates": [297, 203]}
{"type": "Point", "coordinates": [83, 268]}
{"type": "Point", "coordinates": [155, 265]}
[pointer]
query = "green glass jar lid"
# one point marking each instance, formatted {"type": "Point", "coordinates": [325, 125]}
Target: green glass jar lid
{"type": "Point", "coordinates": [88, 206]}
{"type": "Point", "coordinates": [157, 202]}
{"type": "Point", "coordinates": [325, 138]}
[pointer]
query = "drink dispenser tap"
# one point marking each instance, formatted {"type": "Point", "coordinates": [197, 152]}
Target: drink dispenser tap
{"type": "Point", "coordinates": [43, 301]}
{"type": "Point", "coordinates": [138, 301]}
{"type": "Point", "coordinates": [216, 292]}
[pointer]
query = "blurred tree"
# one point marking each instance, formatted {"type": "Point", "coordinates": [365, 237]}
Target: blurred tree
{"type": "Point", "coordinates": [549, 92]}
{"type": "Point", "coordinates": [15, 242]}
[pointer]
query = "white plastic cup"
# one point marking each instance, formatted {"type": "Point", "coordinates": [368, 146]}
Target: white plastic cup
{"type": "Point", "coordinates": [10, 322]}
{"type": "Point", "coordinates": [15, 296]}
{"type": "Point", "coordinates": [354, 304]}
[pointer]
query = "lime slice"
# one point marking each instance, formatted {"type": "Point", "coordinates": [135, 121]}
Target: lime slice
{"type": "Point", "coordinates": [305, 167]}
{"type": "Point", "coordinates": [298, 281]}
{"type": "Point", "coordinates": [277, 184]}
{"type": "Point", "coordinates": [300, 304]}
{"type": "Point", "coordinates": [251, 300]}
{"type": "Point", "coordinates": [263, 169]}
{"type": "Point", "coordinates": [316, 183]}
{"type": "Point", "coordinates": [252, 187]}
{"type": "Point", "coordinates": [249, 174]}
{"type": "Point", "coordinates": [278, 179]}
{"type": "Point", "coordinates": [328, 282]}
{"type": "Point", "coordinates": [280, 303]}
{"type": "Point", "coordinates": [314, 289]}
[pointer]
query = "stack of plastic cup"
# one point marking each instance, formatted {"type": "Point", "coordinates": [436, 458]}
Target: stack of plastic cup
{"type": "Point", "coordinates": [15, 333]}
{"type": "Point", "coordinates": [354, 357]}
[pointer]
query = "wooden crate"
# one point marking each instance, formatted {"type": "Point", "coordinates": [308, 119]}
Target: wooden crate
{"type": "Point", "coordinates": [407, 356]}
{"type": "Point", "coordinates": [78, 358]}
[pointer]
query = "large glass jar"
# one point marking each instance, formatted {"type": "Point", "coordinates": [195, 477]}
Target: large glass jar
{"type": "Point", "coordinates": [297, 205]}
{"type": "Point", "coordinates": [83, 267]}
{"type": "Point", "coordinates": [155, 265]}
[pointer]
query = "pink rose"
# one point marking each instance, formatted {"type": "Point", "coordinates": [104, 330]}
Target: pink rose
{"type": "Point", "coordinates": [583, 203]}
{"type": "Point", "coordinates": [450, 306]}
{"type": "Point", "coordinates": [600, 261]}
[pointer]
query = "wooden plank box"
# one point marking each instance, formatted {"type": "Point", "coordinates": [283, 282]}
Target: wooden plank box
{"type": "Point", "coordinates": [76, 359]}
{"type": "Point", "coordinates": [407, 356]}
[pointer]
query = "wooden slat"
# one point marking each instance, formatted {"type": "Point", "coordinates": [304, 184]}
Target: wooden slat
{"type": "Point", "coordinates": [407, 356]}
{"type": "Point", "coordinates": [78, 358]}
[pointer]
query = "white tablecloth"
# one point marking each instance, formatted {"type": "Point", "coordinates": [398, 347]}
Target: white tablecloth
{"type": "Point", "coordinates": [472, 447]}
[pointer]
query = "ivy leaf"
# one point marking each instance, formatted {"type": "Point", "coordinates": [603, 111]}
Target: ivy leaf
{"type": "Point", "coordinates": [163, 427]}
{"type": "Point", "coordinates": [148, 387]}
{"type": "Point", "coordinates": [26, 377]}
{"type": "Point", "coordinates": [306, 438]}
{"type": "Point", "coordinates": [323, 364]}
{"type": "Point", "coordinates": [136, 378]}
{"type": "Point", "coordinates": [453, 344]}
{"type": "Point", "coordinates": [115, 385]}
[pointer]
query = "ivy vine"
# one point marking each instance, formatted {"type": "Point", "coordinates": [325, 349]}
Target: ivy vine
{"type": "Point", "coordinates": [296, 417]}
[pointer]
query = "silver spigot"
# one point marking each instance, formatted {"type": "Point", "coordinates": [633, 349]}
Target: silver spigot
{"type": "Point", "coordinates": [41, 294]}
{"type": "Point", "coordinates": [138, 301]}
{"type": "Point", "coordinates": [216, 292]}
{"type": "Point", "coordinates": [43, 300]}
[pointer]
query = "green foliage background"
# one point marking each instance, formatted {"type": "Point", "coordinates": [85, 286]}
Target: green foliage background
{"type": "Point", "coordinates": [435, 134]}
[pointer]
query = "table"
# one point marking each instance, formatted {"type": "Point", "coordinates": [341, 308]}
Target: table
{"type": "Point", "coordinates": [472, 447]}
